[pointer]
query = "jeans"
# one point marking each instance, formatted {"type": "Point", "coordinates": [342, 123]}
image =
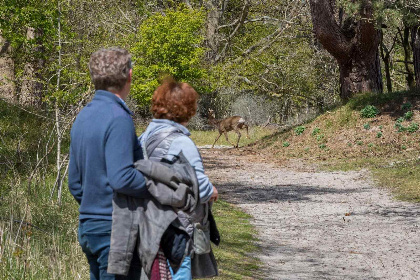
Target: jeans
{"type": "Point", "coordinates": [184, 271]}
{"type": "Point", "coordinates": [94, 238]}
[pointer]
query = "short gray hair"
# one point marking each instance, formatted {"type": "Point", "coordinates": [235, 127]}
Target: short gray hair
{"type": "Point", "coordinates": [110, 68]}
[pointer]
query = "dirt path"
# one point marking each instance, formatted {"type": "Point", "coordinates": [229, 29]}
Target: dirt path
{"type": "Point", "coordinates": [320, 225]}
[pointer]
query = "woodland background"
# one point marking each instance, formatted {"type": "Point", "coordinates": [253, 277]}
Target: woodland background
{"type": "Point", "coordinates": [274, 62]}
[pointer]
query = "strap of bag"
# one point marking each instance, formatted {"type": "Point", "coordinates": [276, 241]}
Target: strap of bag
{"type": "Point", "coordinates": [150, 145]}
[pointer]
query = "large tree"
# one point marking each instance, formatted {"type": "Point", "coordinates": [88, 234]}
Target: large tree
{"type": "Point", "coordinates": [353, 40]}
{"type": "Point", "coordinates": [415, 35]}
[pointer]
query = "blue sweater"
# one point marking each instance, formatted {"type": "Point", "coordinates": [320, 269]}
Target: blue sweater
{"type": "Point", "coordinates": [103, 148]}
{"type": "Point", "coordinates": [188, 148]}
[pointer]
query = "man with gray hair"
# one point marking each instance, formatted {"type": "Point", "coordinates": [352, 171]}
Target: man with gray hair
{"type": "Point", "coordinates": [103, 150]}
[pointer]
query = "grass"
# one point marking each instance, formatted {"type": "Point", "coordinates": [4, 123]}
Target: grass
{"type": "Point", "coordinates": [402, 178]}
{"type": "Point", "coordinates": [235, 254]}
{"type": "Point", "coordinates": [399, 175]}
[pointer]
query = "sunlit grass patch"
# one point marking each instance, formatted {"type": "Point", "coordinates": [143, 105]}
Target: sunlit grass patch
{"type": "Point", "coordinates": [402, 178]}
{"type": "Point", "coordinates": [236, 253]}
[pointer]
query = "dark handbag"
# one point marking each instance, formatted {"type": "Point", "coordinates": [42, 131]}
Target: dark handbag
{"type": "Point", "coordinates": [214, 232]}
{"type": "Point", "coordinates": [174, 244]}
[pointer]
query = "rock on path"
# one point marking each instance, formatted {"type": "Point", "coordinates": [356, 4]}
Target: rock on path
{"type": "Point", "coordinates": [320, 225]}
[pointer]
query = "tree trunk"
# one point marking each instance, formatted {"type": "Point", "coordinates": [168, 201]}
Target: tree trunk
{"type": "Point", "coordinates": [360, 74]}
{"type": "Point", "coordinates": [7, 76]}
{"type": "Point", "coordinates": [415, 42]}
{"type": "Point", "coordinates": [407, 57]}
{"type": "Point", "coordinates": [387, 60]}
{"type": "Point", "coordinates": [30, 92]}
{"type": "Point", "coordinates": [353, 43]}
{"type": "Point", "coordinates": [212, 23]}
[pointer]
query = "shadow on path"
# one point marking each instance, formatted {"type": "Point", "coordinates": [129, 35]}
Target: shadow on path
{"type": "Point", "coordinates": [241, 193]}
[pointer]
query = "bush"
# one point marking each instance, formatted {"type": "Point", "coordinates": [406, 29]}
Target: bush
{"type": "Point", "coordinates": [406, 106]}
{"type": "Point", "coordinates": [169, 43]}
{"type": "Point", "coordinates": [299, 130]}
{"type": "Point", "coordinates": [366, 126]}
{"type": "Point", "coordinates": [399, 126]}
{"type": "Point", "coordinates": [413, 127]}
{"type": "Point", "coordinates": [369, 111]}
{"type": "Point", "coordinates": [315, 131]}
{"type": "Point", "coordinates": [286, 144]}
{"type": "Point", "coordinates": [408, 115]}
{"type": "Point", "coordinates": [400, 120]}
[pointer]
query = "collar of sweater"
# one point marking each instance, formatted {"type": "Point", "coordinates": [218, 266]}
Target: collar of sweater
{"type": "Point", "coordinates": [109, 96]}
{"type": "Point", "coordinates": [164, 122]}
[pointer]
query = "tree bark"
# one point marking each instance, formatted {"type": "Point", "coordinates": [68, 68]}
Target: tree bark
{"type": "Point", "coordinates": [7, 76]}
{"type": "Point", "coordinates": [386, 58]}
{"type": "Point", "coordinates": [415, 42]}
{"type": "Point", "coordinates": [353, 43]}
{"type": "Point", "coordinates": [30, 92]}
{"type": "Point", "coordinates": [212, 23]}
{"type": "Point", "coordinates": [405, 41]}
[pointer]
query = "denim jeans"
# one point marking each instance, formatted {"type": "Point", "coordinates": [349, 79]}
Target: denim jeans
{"type": "Point", "coordinates": [184, 271]}
{"type": "Point", "coordinates": [94, 238]}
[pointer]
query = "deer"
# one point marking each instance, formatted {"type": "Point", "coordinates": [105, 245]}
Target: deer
{"type": "Point", "coordinates": [228, 124]}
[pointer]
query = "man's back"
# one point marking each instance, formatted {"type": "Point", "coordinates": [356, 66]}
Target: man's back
{"type": "Point", "coordinates": [103, 149]}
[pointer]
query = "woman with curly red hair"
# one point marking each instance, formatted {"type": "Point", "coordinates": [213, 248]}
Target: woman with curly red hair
{"type": "Point", "coordinates": [173, 105]}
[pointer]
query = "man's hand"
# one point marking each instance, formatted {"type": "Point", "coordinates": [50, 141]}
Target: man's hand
{"type": "Point", "coordinates": [215, 195]}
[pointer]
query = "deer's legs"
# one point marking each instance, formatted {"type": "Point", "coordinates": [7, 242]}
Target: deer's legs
{"type": "Point", "coordinates": [225, 133]}
{"type": "Point", "coordinates": [226, 136]}
{"type": "Point", "coordinates": [217, 138]}
{"type": "Point", "coordinates": [239, 136]}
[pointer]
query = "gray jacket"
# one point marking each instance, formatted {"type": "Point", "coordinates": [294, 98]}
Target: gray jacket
{"type": "Point", "coordinates": [156, 148]}
{"type": "Point", "coordinates": [139, 223]}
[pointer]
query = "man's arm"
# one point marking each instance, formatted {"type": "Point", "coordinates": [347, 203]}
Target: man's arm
{"type": "Point", "coordinates": [75, 184]}
{"type": "Point", "coordinates": [119, 159]}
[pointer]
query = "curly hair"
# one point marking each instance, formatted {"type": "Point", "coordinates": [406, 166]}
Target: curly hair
{"type": "Point", "coordinates": [109, 68]}
{"type": "Point", "coordinates": [174, 101]}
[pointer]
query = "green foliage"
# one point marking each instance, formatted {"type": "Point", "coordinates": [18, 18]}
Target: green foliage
{"type": "Point", "coordinates": [315, 131]}
{"type": "Point", "coordinates": [369, 111]}
{"type": "Point", "coordinates": [379, 134]}
{"type": "Point", "coordinates": [323, 146]}
{"type": "Point", "coordinates": [168, 44]}
{"type": "Point", "coordinates": [366, 126]}
{"type": "Point", "coordinates": [299, 130]}
{"type": "Point", "coordinates": [286, 144]}
{"type": "Point", "coordinates": [320, 137]}
{"type": "Point", "coordinates": [406, 106]}
{"type": "Point", "coordinates": [16, 17]}
{"type": "Point", "coordinates": [408, 115]}
{"type": "Point", "coordinates": [413, 127]}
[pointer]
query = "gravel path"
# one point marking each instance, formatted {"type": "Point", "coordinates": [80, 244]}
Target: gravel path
{"type": "Point", "coordinates": [320, 225]}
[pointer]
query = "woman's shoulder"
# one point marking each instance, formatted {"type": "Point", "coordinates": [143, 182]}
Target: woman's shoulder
{"type": "Point", "coordinates": [182, 139]}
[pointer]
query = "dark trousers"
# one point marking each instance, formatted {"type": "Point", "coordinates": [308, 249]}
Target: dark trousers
{"type": "Point", "coordinates": [94, 238]}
